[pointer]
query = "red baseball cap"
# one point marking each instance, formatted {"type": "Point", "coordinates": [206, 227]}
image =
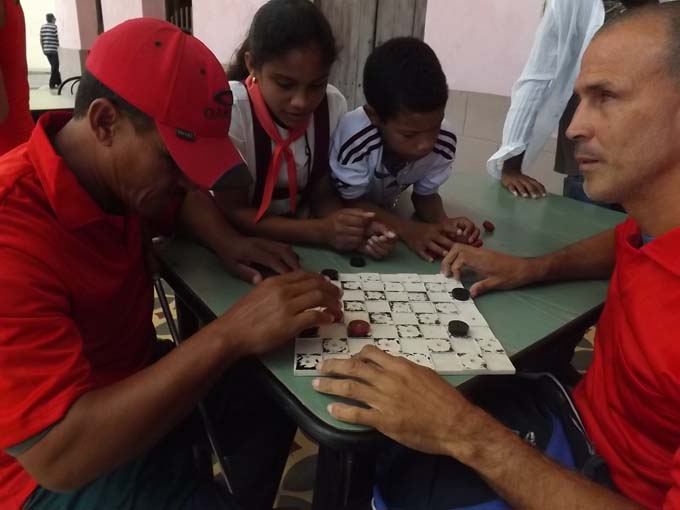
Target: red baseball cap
{"type": "Point", "coordinates": [176, 80]}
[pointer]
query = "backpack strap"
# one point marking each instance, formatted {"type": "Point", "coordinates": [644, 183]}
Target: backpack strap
{"type": "Point", "coordinates": [263, 155]}
{"type": "Point", "coordinates": [321, 166]}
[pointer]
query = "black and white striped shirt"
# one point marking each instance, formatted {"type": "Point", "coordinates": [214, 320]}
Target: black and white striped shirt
{"type": "Point", "coordinates": [49, 38]}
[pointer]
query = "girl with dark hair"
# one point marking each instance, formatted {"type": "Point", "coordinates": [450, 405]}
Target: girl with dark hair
{"type": "Point", "coordinates": [283, 116]}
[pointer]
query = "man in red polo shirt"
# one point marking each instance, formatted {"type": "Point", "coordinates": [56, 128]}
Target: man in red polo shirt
{"type": "Point", "coordinates": [93, 415]}
{"type": "Point", "coordinates": [15, 116]}
{"type": "Point", "coordinates": [626, 130]}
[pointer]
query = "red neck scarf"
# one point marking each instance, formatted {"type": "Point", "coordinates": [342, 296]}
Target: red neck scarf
{"type": "Point", "coordinates": [281, 150]}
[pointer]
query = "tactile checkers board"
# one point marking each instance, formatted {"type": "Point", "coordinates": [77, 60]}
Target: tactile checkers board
{"type": "Point", "coordinates": [408, 316]}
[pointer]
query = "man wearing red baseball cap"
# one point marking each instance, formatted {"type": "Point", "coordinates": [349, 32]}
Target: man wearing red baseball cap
{"type": "Point", "coordinates": [94, 416]}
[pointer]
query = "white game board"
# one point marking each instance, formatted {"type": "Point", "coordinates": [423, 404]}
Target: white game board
{"type": "Point", "coordinates": [409, 316]}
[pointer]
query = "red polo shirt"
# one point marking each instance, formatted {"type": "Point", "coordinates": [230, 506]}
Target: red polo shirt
{"type": "Point", "coordinates": [630, 397]}
{"type": "Point", "coordinates": [17, 127]}
{"type": "Point", "coordinates": [75, 301]}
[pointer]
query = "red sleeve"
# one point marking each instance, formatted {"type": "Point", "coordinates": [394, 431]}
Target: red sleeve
{"type": "Point", "coordinates": [672, 501]}
{"type": "Point", "coordinates": [41, 362]}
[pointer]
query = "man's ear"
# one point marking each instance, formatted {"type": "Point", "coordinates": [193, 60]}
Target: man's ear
{"type": "Point", "coordinates": [104, 120]}
{"type": "Point", "coordinates": [373, 115]}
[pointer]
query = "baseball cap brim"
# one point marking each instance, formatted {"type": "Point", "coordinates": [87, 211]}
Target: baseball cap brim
{"type": "Point", "coordinates": [204, 160]}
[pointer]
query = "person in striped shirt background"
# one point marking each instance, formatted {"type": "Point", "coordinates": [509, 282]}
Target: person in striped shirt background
{"type": "Point", "coordinates": [49, 40]}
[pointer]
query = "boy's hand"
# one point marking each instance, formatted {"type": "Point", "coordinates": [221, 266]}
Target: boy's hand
{"type": "Point", "coordinates": [381, 242]}
{"type": "Point", "coordinates": [461, 230]}
{"type": "Point", "coordinates": [346, 229]}
{"type": "Point", "coordinates": [428, 240]}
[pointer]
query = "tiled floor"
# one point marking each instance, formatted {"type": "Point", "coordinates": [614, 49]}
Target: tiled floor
{"type": "Point", "coordinates": [295, 492]}
{"type": "Point", "coordinates": [38, 79]}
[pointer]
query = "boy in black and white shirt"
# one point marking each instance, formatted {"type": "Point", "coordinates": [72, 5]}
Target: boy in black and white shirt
{"type": "Point", "coordinates": [400, 139]}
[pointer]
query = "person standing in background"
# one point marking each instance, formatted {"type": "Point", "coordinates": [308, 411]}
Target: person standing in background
{"type": "Point", "coordinates": [16, 123]}
{"type": "Point", "coordinates": [49, 40]}
{"type": "Point", "coordinates": [542, 98]}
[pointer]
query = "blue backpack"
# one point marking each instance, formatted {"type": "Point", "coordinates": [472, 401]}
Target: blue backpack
{"type": "Point", "coordinates": [535, 406]}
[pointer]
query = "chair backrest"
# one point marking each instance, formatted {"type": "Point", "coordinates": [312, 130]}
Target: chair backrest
{"type": "Point", "coordinates": [73, 81]}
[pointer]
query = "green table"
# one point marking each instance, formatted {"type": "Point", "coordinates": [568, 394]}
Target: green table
{"type": "Point", "coordinates": [523, 319]}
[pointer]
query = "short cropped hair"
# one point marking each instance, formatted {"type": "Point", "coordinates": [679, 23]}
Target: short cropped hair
{"type": "Point", "coordinates": [668, 14]}
{"type": "Point", "coordinates": [404, 74]}
{"type": "Point", "coordinates": [90, 88]}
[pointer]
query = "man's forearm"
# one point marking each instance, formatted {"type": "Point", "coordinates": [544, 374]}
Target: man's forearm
{"type": "Point", "coordinates": [523, 476]}
{"type": "Point", "coordinates": [279, 228]}
{"type": "Point", "coordinates": [201, 218]}
{"type": "Point", "coordinates": [325, 206]}
{"type": "Point", "coordinates": [391, 221]}
{"type": "Point", "coordinates": [513, 166]}
{"type": "Point", "coordinates": [325, 198]}
{"type": "Point", "coordinates": [109, 426]}
{"type": "Point", "coordinates": [592, 258]}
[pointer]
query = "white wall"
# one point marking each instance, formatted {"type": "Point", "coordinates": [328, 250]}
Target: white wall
{"type": "Point", "coordinates": [119, 11]}
{"type": "Point", "coordinates": [482, 44]}
{"type": "Point", "coordinates": [77, 22]}
{"type": "Point", "coordinates": [34, 12]}
{"type": "Point", "coordinates": [223, 24]}
{"type": "Point", "coordinates": [66, 12]}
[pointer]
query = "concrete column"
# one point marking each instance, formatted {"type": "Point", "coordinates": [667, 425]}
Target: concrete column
{"type": "Point", "coordinates": [77, 21]}
{"type": "Point", "coordinates": [117, 11]}
{"type": "Point", "coordinates": [153, 8]}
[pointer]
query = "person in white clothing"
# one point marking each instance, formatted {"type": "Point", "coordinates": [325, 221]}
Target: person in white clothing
{"type": "Point", "coordinates": [542, 98]}
{"type": "Point", "coordinates": [284, 114]}
{"type": "Point", "coordinates": [397, 140]}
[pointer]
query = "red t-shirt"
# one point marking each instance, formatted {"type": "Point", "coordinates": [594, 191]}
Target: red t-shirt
{"type": "Point", "coordinates": [76, 303]}
{"type": "Point", "coordinates": [630, 397]}
{"type": "Point", "coordinates": [17, 127]}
